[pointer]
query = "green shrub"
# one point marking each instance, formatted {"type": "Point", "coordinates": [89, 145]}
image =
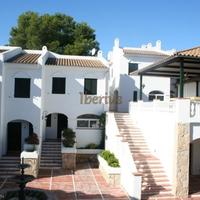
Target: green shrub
{"type": "Point", "coordinates": [110, 158]}
{"type": "Point", "coordinates": [68, 137]}
{"type": "Point", "coordinates": [32, 139]}
{"type": "Point", "coordinates": [91, 146]}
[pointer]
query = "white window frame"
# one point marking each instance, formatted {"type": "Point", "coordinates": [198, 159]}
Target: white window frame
{"type": "Point", "coordinates": [89, 123]}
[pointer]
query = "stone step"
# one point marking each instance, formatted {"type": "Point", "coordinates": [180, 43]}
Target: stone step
{"type": "Point", "coordinates": [154, 180]}
{"type": "Point", "coordinates": [46, 159]}
{"type": "Point", "coordinates": [8, 169]}
{"type": "Point", "coordinates": [49, 147]}
{"type": "Point", "coordinates": [50, 152]}
{"type": "Point", "coordinates": [10, 158]}
{"type": "Point", "coordinates": [158, 180]}
{"type": "Point", "coordinates": [49, 167]}
{"type": "Point", "coordinates": [156, 191]}
{"type": "Point", "coordinates": [139, 147]}
{"type": "Point", "coordinates": [52, 143]}
{"type": "Point", "coordinates": [153, 184]}
{"type": "Point", "coordinates": [166, 196]}
{"type": "Point", "coordinates": [146, 167]}
{"type": "Point", "coordinates": [8, 164]}
{"type": "Point", "coordinates": [5, 174]}
{"type": "Point", "coordinates": [50, 163]}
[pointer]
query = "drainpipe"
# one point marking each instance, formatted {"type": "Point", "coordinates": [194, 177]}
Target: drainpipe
{"type": "Point", "coordinates": [197, 88]}
{"type": "Point", "coordinates": [181, 92]}
{"type": "Point", "coordinates": [140, 87]}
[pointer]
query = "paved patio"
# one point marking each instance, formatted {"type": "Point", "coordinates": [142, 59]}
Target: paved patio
{"type": "Point", "coordinates": [85, 183]}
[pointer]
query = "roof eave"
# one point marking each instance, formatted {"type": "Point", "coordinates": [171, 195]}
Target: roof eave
{"type": "Point", "coordinates": [156, 65]}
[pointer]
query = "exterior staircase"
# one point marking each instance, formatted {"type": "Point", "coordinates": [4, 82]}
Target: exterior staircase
{"type": "Point", "coordinates": [8, 166]}
{"type": "Point", "coordinates": [51, 156]}
{"type": "Point", "coordinates": [155, 183]}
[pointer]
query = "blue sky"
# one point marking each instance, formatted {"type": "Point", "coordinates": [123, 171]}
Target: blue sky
{"type": "Point", "coordinates": [135, 22]}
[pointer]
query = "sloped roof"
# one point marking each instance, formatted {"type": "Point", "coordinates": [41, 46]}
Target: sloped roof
{"type": "Point", "coordinates": [2, 50]}
{"type": "Point", "coordinates": [143, 52]}
{"type": "Point", "coordinates": [194, 52]}
{"type": "Point", "coordinates": [189, 59]}
{"type": "Point", "coordinates": [75, 62]}
{"type": "Point", "coordinates": [25, 58]}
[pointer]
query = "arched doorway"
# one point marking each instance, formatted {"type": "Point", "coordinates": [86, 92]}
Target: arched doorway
{"type": "Point", "coordinates": [55, 123]}
{"type": "Point", "coordinates": [194, 167]}
{"type": "Point", "coordinates": [114, 101]}
{"type": "Point", "coordinates": [156, 95]}
{"type": "Point", "coordinates": [17, 131]}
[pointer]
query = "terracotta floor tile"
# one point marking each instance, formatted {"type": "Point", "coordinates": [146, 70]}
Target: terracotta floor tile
{"type": "Point", "coordinates": [65, 178]}
{"type": "Point", "coordinates": [63, 187]}
{"type": "Point", "coordinates": [85, 179]}
{"type": "Point", "coordinates": [44, 172]}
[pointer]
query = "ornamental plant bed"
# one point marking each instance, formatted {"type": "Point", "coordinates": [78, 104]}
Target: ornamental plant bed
{"type": "Point", "coordinates": [110, 173]}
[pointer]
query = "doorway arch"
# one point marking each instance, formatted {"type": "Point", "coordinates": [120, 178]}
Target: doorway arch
{"type": "Point", "coordinates": [55, 123]}
{"type": "Point", "coordinates": [17, 132]}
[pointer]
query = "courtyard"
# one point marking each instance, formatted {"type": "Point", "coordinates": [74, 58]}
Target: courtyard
{"type": "Point", "coordinates": [86, 182]}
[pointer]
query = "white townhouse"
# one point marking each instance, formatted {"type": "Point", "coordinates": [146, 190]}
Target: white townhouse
{"type": "Point", "coordinates": [43, 92]}
{"type": "Point", "coordinates": [126, 87]}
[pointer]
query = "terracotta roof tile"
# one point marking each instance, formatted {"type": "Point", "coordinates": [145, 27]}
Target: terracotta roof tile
{"type": "Point", "coordinates": [72, 62]}
{"type": "Point", "coordinates": [143, 52]}
{"type": "Point", "coordinates": [2, 50]}
{"type": "Point", "coordinates": [194, 52]}
{"type": "Point", "coordinates": [24, 58]}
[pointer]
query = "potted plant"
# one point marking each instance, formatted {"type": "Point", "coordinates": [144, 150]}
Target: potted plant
{"type": "Point", "coordinates": [68, 137]}
{"type": "Point", "coordinates": [31, 142]}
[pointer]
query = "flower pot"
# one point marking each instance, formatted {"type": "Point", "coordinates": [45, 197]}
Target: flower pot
{"type": "Point", "coordinates": [30, 147]}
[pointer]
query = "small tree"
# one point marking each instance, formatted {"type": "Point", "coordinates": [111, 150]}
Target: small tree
{"type": "Point", "coordinates": [59, 32]}
{"type": "Point", "coordinates": [68, 137]}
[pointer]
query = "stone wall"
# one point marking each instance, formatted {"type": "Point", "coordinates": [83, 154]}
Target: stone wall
{"type": "Point", "coordinates": [82, 158]}
{"type": "Point", "coordinates": [111, 178]}
{"type": "Point", "coordinates": [181, 160]}
{"type": "Point", "coordinates": [34, 166]}
{"type": "Point", "coordinates": [69, 161]}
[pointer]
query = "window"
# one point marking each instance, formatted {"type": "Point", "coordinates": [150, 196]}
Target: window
{"type": "Point", "coordinates": [22, 88]}
{"type": "Point", "coordinates": [132, 67]}
{"type": "Point", "coordinates": [90, 86]}
{"type": "Point", "coordinates": [156, 95]}
{"type": "Point", "coordinates": [58, 85]}
{"type": "Point", "coordinates": [49, 121]}
{"type": "Point", "coordinates": [135, 97]}
{"type": "Point", "coordinates": [88, 121]}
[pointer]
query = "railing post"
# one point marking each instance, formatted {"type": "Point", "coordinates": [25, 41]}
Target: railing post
{"type": "Point", "coordinates": [141, 87]}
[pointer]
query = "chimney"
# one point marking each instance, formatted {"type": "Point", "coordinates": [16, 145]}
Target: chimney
{"type": "Point", "coordinates": [149, 46]}
{"type": "Point", "coordinates": [158, 44]}
{"type": "Point", "coordinates": [100, 54]}
{"type": "Point", "coordinates": [143, 46]}
{"type": "Point", "coordinates": [116, 43]}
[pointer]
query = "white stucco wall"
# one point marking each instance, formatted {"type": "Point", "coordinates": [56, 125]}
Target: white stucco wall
{"type": "Point", "coordinates": [158, 124]}
{"type": "Point", "coordinates": [88, 136]}
{"type": "Point", "coordinates": [27, 109]}
{"type": "Point", "coordinates": [69, 103]}
{"type": "Point", "coordinates": [126, 84]}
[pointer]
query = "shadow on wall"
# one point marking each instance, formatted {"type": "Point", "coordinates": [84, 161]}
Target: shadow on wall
{"type": "Point", "coordinates": [127, 86]}
{"type": "Point", "coordinates": [149, 185]}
